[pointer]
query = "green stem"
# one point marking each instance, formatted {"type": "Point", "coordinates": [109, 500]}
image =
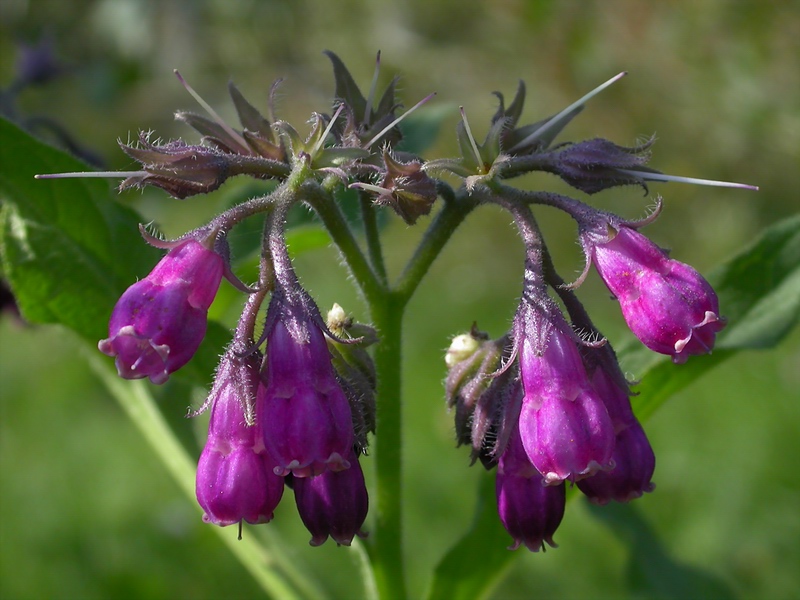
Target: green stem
{"type": "Point", "coordinates": [386, 540]}
{"type": "Point", "coordinates": [435, 238]}
{"type": "Point", "coordinates": [369, 217]}
{"type": "Point", "coordinates": [342, 236]}
{"type": "Point", "coordinates": [277, 575]}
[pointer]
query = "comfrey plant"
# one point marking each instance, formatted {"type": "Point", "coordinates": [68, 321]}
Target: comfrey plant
{"type": "Point", "coordinates": [297, 397]}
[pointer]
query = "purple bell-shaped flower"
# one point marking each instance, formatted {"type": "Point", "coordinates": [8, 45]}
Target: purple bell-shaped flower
{"type": "Point", "coordinates": [159, 322]}
{"type": "Point", "coordinates": [333, 504]}
{"type": "Point", "coordinates": [564, 425]}
{"type": "Point", "coordinates": [667, 304]}
{"type": "Point", "coordinates": [236, 477]}
{"type": "Point", "coordinates": [307, 423]}
{"type": "Point", "coordinates": [529, 510]}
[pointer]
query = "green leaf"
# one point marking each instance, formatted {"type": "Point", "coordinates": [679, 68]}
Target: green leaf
{"type": "Point", "coordinates": [479, 560]}
{"type": "Point", "coordinates": [759, 292]}
{"type": "Point", "coordinates": [759, 289]}
{"type": "Point", "coordinates": [421, 128]}
{"type": "Point", "coordinates": [69, 250]}
{"type": "Point", "coordinates": [651, 571]}
{"type": "Point", "coordinates": [303, 239]}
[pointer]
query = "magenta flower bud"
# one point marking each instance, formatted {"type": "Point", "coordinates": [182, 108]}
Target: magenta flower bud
{"type": "Point", "coordinates": [593, 165]}
{"type": "Point", "coordinates": [529, 510]}
{"type": "Point", "coordinates": [333, 504]}
{"type": "Point", "coordinates": [235, 475]}
{"type": "Point", "coordinates": [159, 322]}
{"type": "Point", "coordinates": [564, 426]}
{"type": "Point", "coordinates": [667, 304]}
{"type": "Point", "coordinates": [633, 456]}
{"type": "Point", "coordinates": [630, 478]}
{"type": "Point", "coordinates": [307, 420]}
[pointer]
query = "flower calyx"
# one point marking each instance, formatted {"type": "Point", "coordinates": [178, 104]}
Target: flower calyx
{"type": "Point", "coordinates": [364, 117]}
{"type": "Point", "coordinates": [405, 187]}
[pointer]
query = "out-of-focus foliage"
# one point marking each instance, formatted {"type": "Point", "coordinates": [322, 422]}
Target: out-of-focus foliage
{"type": "Point", "coordinates": [86, 510]}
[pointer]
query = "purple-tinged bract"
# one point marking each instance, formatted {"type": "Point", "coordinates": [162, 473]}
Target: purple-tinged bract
{"type": "Point", "coordinates": [235, 475]}
{"type": "Point", "coordinates": [667, 304]}
{"type": "Point", "coordinates": [593, 165]}
{"type": "Point", "coordinates": [159, 322]}
{"type": "Point", "coordinates": [333, 504]}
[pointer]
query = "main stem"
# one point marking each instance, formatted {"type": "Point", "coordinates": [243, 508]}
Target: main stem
{"type": "Point", "coordinates": [387, 306]}
{"type": "Point", "coordinates": [387, 542]}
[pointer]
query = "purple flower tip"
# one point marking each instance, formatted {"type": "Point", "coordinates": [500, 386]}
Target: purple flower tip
{"type": "Point", "coordinates": [529, 510]}
{"type": "Point", "coordinates": [159, 322]}
{"type": "Point", "coordinates": [634, 465]}
{"type": "Point", "coordinates": [333, 504]}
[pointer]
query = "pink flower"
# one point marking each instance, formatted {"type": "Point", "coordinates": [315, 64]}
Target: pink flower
{"type": "Point", "coordinates": [159, 322]}
{"type": "Point", "coordinates": [667, 304]}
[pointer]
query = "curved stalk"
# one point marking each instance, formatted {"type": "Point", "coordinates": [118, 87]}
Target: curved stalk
{"type": "Point", "coordinates": [369, 217]}
{"type": "Point", "coordinates": [342, 236]}
{"type": "Point", "coordinates": [439, 232]}
{"type": "Point", "coordinates": [274, 571]}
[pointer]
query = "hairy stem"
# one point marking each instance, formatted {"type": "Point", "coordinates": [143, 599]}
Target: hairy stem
{"type": "Point", "coordinates": [369, 217]}
{"type": "Point", "coordinates": [342, 236]}
{"type": "Point", "coordinates": [386, 547]}
{"type": "Point", "coordinates": [440, 230]}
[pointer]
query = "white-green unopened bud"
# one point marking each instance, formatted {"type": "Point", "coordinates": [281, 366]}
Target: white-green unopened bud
{"type": "Point", "coordinates": [337, 319]}
{"type": "Point", "coordinates": [461, 348]}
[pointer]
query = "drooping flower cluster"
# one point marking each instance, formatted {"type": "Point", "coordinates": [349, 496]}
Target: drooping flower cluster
{"type": "Point", "coordinates": [284, 419]}
{"type": "Point", "coordinates": [292, 404]}
{"type": "Point", "coordinates": [559, 409]}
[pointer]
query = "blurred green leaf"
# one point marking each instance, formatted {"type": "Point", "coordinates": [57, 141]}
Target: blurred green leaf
{"type": "Point", "coordinates": [759, 292]}
{"type": "Point", "coordinates": [69, 250]}
{"type": "Point", "coordinates": [759, 289]}
{"type": "Point", "coordinates": [303, 239]}
{"type": "Point", "coordinates": [420, 129]}
{"type": "Point", "coordinates": [651, 571]}
{"type": "Point", "coordinates": [479, 559]}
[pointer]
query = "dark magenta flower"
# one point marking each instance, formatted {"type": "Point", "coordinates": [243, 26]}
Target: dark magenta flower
{"type": "Point", "coordinates": [634, 463]}
{"type": "Point", "coordinates": [564, 426]}
{"type": "Point", "coordinates": [667, 304]}
{"type": "Point", "coordinates": [235, 475]}
{"type": "Point", "coordinates": [159, 322]}
{"type": "Point", "coordinates": [307, 421]}
{"type": "Point", "coordinates": [529, 510]}
{"type": "Point", "coordinates": [634, 460]}
{"type": "Point", "coordinates": [333, 504]}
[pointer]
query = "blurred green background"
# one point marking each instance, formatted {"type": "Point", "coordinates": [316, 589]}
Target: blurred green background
{"type": "Point", "coordinates": [86, 511]}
